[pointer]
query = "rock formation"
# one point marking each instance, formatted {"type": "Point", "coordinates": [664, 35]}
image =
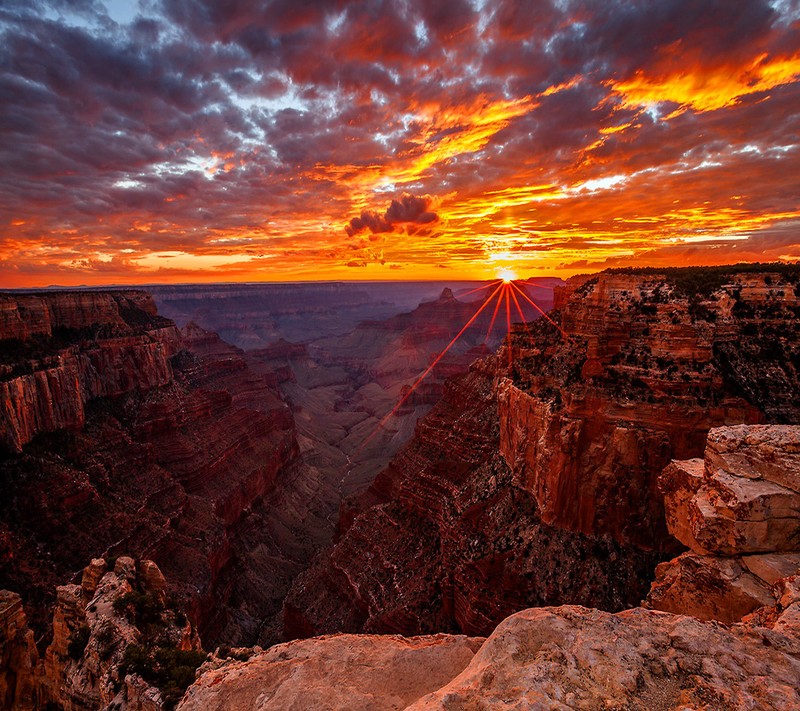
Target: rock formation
{"type": "Point", "coordinates": [352, 672]}
{"type": "Point", "coordinates": [117, 643]}
{"type": "Point", "coordinates": [123, 435]}
{"type": "Point", "coordinates": [738, 510]}
{"type": "Point", "coordinates": [550, 453]}
{"type": "Point", "coordinates": [562, 657]}
{"type": "Point", "coordinates": [18, 654]}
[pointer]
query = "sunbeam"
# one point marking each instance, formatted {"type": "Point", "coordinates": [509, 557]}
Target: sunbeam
{"type": "Point", "coordinates": [539, 309]}
{"type": "Point", "coordinates": [436, 360]}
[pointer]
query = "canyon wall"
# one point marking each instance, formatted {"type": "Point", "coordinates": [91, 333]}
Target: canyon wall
{"type": "Point", "coordinates": [123, 435]}
{"type": "Point", "coordinates": [535, 480]}
{"type": "Point", "coordinates": [590, 416]}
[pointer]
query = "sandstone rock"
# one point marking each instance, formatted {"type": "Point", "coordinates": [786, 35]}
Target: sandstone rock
{"type": "Point", "coordinates": [125, 567]}
{"type": "Point", "coordinates": [18, 655]}
{"type": "Point", "coordinates": [708, 587]}
{"type": "Point", "coordinates": [732, 514]}
{"type": "Point", "coordinates": [731, 506]}
{"type": "Point", "coordinates": [679, 482]}
{"type": "Point", "coordinates": [542, 658]}
{"type": "Point", "coordinates": [771, 567]}
{"type": "Point", "coordinates": [153, 580]}
{"type": "Point", "coordinates": [571, 657]}
{"type": "Point", "coordinates": [338, 673]}
{"type": "Point", "coordinates": [787, 591]}
{"type": "Point", "coordinates": [769, 452]}
{"type": "Point", "coordinates": [92, 574]}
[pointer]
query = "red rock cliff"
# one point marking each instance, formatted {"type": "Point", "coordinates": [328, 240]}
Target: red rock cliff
{"type": "Point", "coordinates": [536, 483]}
{"type": "Point", "coordinates": [589, 418]}
{"type": "Point", "coordinates": [124, 436]}
{"type": "Point", "coordinates": [64, 349]}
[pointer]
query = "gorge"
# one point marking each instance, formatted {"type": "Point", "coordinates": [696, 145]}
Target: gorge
{"type": "Point", "coordinates": [564, 473]}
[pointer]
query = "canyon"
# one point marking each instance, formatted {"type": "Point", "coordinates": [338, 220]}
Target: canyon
{"type": "Point", "coordinates": [524, 516]}
{"type": "Point", "coordinates": [550, 453]}
{"type": "Point", "coordinates": [104, 655]}
{"type": "Point", "coordinates": [125, 434]}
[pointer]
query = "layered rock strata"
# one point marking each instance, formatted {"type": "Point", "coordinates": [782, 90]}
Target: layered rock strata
{"type": "Point", "coordinates": [738, 510]}
{"type": "Point", "coordinates": [61, 351]}
{"type": "Point", "coordinates": [534, 480]}
{"type": "Point", "coordinates": [126, 436]}
{"type": "Point", "coordinates": [642, 368]}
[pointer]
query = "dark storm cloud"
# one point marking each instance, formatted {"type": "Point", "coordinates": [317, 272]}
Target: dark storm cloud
{"type": "Point", "coordinates": [409, 209]}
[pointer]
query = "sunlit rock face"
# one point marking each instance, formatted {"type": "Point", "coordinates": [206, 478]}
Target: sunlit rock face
{"type": "Point", "coordinates": [645, 366]}
{"type": "Point", "coordinates": [339, 672]}
{"type": "Point", "coordinates": [534, 481]}
{"type": "Point", "coordinates": [738, 510]}
{"type": "Point", "coordinates": [60, 351]}
{"type": "Point", "coordinates": [120, 434]}
{"type": "Point", "coordinates": [552, 657]}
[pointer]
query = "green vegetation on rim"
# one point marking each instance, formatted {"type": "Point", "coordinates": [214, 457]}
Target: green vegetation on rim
{"type": "Point", "coordinates": [704, 281]}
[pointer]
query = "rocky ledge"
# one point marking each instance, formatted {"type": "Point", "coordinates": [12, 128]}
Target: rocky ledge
{"type": "Point", "coordinates": [542, 658]}
{"type": "Point", "coordinates": [738, 510]}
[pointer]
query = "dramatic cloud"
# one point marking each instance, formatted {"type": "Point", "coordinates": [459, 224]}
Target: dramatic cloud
{"type": "Point", "coordinates": [408, 209]}
{"type": "Point", "coordinates": [185, 140]}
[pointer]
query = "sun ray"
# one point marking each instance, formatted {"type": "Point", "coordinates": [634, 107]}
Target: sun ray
{"type": "Point", "coordinates": [480, 288]}
{"type": "Point", "coordinates": [539, 309]}
{"type": "Point", "coordinates": [521, 314]}
{"type": "Point", "coordinates": [508, 321]}
{"type": "Point", "coordinates": [494, 318]}
{"type": "Point", "coordinates": [436, 360]}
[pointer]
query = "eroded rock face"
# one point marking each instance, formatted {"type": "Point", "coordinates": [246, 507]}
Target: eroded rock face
{"type": "Point", "coordinates": [553, 657]}
{"type": "Point", "coordinates": [738, 510]}
{"type": "Point", "coordinates": [18, 654]}
{"type": "Point", "coordinates": [642, 370]}
{"type": "Point", "coordinates": [126, 436]}
{"type": "Point", "coordinates": [88, 664]}
{"type": "Point", "coordinates": [339, 673]}
{"type": "Point", "coordinates": [65, 349]}
{"type": "Point", "coordinates": [570, 657]}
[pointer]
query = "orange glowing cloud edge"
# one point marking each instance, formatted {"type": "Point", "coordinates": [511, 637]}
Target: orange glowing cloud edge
{"type": "Point", "coordinates": [527, 224]}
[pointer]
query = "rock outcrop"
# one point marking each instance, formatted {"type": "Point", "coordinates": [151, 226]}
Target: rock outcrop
{"type": "Point", "coordinates": [562, 657]}
{"type": "Point", "coordinates": [124, 435]}
{"type": "Point", "coordinates": [341, 672]}
{"type": "Point", "coordinates": [61, 350]}
{"type": "Point", "coordinates": [550, 453]}
{"type": "Point", "coordinates": [18, 654]}
{"type": "Point", "coordinates": [117, 643]}
{"type": "Point", "coordinates": [738, 510]}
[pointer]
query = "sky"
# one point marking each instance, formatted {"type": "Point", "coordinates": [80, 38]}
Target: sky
{"type": "Point", "coordinates": [158, 141]}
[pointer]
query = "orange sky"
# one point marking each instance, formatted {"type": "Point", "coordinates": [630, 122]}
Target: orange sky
{"type": "Point", "coordinates": [196, 140]}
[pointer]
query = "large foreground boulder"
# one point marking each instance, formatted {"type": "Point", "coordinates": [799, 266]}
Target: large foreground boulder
{"type": "Point", "coordinates": [738, 510]}
{"type": "Point", "coordinates": [542, 658]}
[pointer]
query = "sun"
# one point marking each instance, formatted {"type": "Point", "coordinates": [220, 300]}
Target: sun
{"type": "Point", "coordinates": [507, 275]}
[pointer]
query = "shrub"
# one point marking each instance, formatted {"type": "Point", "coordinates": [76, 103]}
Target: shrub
{"type": "Point", "coordinates": [171, 669]}
{"type": "Point", "coordinates": [144, 608]}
